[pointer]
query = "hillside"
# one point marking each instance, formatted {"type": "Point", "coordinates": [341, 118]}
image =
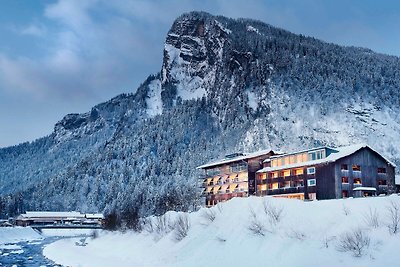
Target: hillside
{"type": "Point", "coordinates": [225, 85]}
{"type": "Point", "coordinates": [307, 234]}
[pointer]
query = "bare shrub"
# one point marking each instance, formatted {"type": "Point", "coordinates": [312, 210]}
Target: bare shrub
{"type": "Point", "coordinates": [371, 218]}
{"type": "Point", "coordinates": [327, 240]}
{"type": "Point", "coordinates": [394, 217]}
{"type": "Point", "coordinates": [296, 234]}
{"type": "Point", "coordinates": [163, 225]}
{"type": "Point", "coordinates": [94, 234]}
{"type": "Point", "coordinates": [147, 225]}
{"type": "Point", "coordinates": [182, 226]}
{"type": "Point", "coordinates": [274, 213]}
{"type": "Point", "coordinates": [346, 210]}
{"type": "Point", "coordinates": [209, 215]}
{"type": "Point", "coordinates": [356, 242]}
{"type": "Point", "coordinates": [256, 226]}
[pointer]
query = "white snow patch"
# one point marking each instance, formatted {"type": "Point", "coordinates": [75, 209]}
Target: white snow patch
{"type": "Point", "coordinates": [252, 29]}
{"type": "Point", "coordinates": [154, 101]}
{"type": "Point", "coordinates": [17, 234]}
{"type": "Point", "coordinates": [219, 24]}
{"type": "Point", "coordinates": [307, 235]}
{"type": "Point", "coordinates": [67, 232]}
{"type": "Point", "coordinates": [252, 100]}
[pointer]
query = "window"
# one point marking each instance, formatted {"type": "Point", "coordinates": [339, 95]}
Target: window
{"type": "Point", "coordinates": [382, 182]}
{"type": "Point", "coordinates": [312, 182]}
{"type": "Point", "coordinates": [344, 167]}
{"type": "Point", "coordinates": [381, 170]}
{"type": "Point", "coordinates": [311, 170]}
{"type": "Point", "coordinates": [286, 173]}
{"type": "Point", "coordinates": [312, 156]}
{"type": "Point", "coordinates": [356, 168]}
{"type": "Point", "coordinates": [298, 171]}
{"type": "Point", "coordinates": [345, 180]}
{"type": "Point", "coordinates": [345, 193]}
{"type": "Point", "coordinates": [357, 181]}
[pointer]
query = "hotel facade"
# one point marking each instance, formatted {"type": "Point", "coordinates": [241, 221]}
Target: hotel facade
{"type": "Point", "coordinates": [317, 173]}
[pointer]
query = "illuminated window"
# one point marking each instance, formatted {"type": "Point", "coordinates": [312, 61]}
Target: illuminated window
{"type": "Point", "coordinates": [345, 180]}
{"type": "Point", "coordinates": [357, 181]}
{"type": "Point", "coordinates": [356, 168]}
{"type": "Point", "coordinates": [263, 187]}
{"type": "Point", "coordinates": [344, 167]}
{"type": "Point", "coordinates": [381, 170]}
{"type": "Point", "coordinates": [275, 185]}
{"type": "Point", "coordinates": [286, 173]}
{"type": "Point", "coordinates": [286, 184]}
{"type": "Point", "coordinates": [298, 171]}
{"type": "Point", "coordinates": [311, 170]}
{"type": "Point", "coordinates": [274, 174]}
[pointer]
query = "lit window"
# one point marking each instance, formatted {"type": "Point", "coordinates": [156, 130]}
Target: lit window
{"type": "Point", "coordinates": [311, 170]}
{"type": "Point", "coordinates": [312, 182]}
{"type": "Point", "coordinates": [286, 173]}
{"type": "Point", "coordinates": [356, 168]}
{"type": "Point", "coordinates": [357, 181]}
{"type": "Point", "coordinates": [345, 180]}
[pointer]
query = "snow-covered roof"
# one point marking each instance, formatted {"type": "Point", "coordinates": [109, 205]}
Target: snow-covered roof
{"type": "Point", "coordinates": [299, 152]}
{"type": "Point", "coordinates": [341, 153]}
{"type": "Point", "coordinates": [238, 158]}
{"type": "Point", "coordinates": [364, 188]}
{"type": "Point", "coordinates": [52, 214]}
{"type": "Point", "coordinates": [94, 216]}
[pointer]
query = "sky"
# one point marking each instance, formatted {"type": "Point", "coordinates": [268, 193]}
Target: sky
{"type": "Point", "coordinates": [65, 56]}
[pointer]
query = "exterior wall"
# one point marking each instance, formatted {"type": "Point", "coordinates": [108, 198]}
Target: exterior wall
{"type": "Point", "coordinates": [231, 183]}
{"type": "Point", "coordinates": [326, 182]}
{"type": "Point", "coordinates": [369, 161]}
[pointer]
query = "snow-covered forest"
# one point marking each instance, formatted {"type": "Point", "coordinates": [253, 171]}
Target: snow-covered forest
{"type": "Point", "coordinates": [225, 85]}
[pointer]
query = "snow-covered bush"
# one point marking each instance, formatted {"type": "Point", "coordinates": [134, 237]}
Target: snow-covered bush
{"type": "Point", "coordinates": [256, 226]}
{"type": "Point", "coordinates": [182, 226]}
{"type": "Point", "coordinates": [356, 242]}
{"type": "Point", "coordinates": [209, 215]}
{"type": "Point", "coordinates": [274, 213]}
{"type": "Point", "coordinates": [371, 218]}
{"type": "Point", "coordinates": [394, 217]}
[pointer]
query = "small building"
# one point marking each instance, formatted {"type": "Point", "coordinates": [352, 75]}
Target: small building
{"type": "Point", "coordinates": [94, 218]}
{"type": "Point", "coordinates": [327, 173]}
{"type": "Point", "coordinates": [232, 176]}
{"type": "Point", "coordinates": [48, 217]}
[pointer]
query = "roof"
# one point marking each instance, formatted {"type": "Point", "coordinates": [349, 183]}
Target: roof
{"type": "Point", "coordinates": [94, 216]}
{"type": "Point", "coordinates": [301, 151]}
{"type": "Point", "coordinates": [342, 152]}
{"type": "Point", "coordinates": [234, 159]}
{"type": "Point", "coordinates": [52, 214]}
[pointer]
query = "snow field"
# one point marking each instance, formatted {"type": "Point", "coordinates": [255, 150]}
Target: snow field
{"type": "Point", "coordinates": [307, 234]}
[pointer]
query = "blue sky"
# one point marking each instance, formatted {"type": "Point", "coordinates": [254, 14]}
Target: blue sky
{"type": "Point", "coordinates": [65, 56]}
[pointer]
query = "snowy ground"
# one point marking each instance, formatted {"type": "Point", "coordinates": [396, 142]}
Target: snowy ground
{"type": "Point", "coordinates": [17, 234]}
{"type": "Point", "coordinates": [308, 234]}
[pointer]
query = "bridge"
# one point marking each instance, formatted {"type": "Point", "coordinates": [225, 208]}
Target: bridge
{"type": "Point", "coordinates": [40, 227]}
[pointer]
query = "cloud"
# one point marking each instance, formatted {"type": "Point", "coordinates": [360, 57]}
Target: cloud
{"type": "Point", "coordinates": [34, 30]}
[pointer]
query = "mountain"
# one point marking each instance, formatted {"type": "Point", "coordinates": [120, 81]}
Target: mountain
{"type": "Point", "coordinates": [225, 85]}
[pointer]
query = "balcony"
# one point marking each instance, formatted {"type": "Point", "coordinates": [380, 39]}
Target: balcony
{"type": "Point", "coordinates": [357, 185]}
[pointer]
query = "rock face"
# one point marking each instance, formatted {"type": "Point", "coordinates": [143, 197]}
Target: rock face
{"type": "Point", "coordinates": [225, 85]}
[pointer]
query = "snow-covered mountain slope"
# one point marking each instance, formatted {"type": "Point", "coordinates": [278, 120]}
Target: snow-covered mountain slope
{"type": "Point", "coordinates": [225, 85]}
{"type": "Point", "coordinates": [306, 234]}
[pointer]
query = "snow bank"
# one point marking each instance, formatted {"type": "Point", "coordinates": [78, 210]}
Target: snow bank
{"type": "Point", "coordinates": [17, 234]}
{"type": "Point", "coordinates": [307, 235]}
